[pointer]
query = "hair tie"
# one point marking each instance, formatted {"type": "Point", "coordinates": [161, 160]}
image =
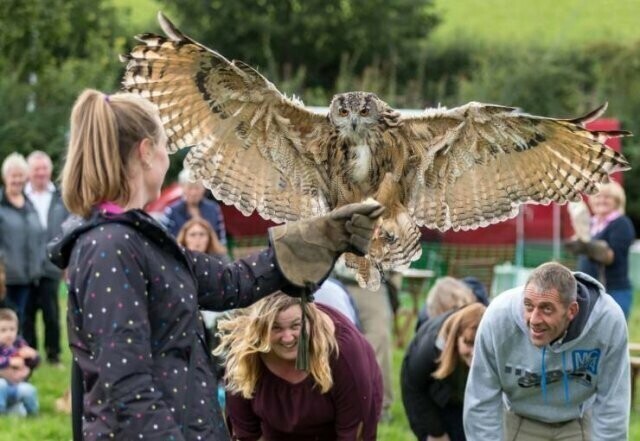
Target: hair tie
{"type": "Point", "coordinates": [106, 98]}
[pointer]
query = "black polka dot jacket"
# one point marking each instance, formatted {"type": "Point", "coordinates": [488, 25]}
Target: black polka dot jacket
{"type": "Point", "coordinates": [134, 327]}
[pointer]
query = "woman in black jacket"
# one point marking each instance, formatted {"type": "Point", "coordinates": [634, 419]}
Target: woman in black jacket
{"type": "Point", "coordinates": [134, 293]}
{"type": "Point", "coordinates": [434, 373]}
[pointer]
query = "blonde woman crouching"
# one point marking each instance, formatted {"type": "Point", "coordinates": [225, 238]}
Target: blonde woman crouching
{"type": "Point", "coordinates": [340, 397]}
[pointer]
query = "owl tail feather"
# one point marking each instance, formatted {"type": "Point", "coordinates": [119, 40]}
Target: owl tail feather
{"type": "Point", "coordinates": [395, 246]}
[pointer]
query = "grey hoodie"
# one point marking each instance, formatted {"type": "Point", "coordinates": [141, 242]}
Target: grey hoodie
{"type": "Point", "coordinates": [587, 369]}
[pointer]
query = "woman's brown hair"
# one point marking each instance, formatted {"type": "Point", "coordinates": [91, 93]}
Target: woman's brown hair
{"type": "Point", "coordinates": [104, 131]}
{"type": "Point", "coordinates": [213, 246]}
{"type": "Point", "coordinates": [453, 327]}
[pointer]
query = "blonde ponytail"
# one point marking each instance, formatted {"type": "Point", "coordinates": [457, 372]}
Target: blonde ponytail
{"type": "Point", "coordinates": [104, 131]}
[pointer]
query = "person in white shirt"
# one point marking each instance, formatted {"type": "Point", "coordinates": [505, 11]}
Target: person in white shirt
{"type": "Point", "coordinates": [44, 293]}
{"type": "Point", "coordinates": [334, 294]}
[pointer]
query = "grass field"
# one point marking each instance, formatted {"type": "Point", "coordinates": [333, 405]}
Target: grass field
{"type": "Point", "coordinates": [52, 382]}
{"type": "Point", "coordinates": [546, 23]}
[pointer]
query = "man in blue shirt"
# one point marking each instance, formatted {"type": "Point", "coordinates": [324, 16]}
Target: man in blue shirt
{"type": "Point", "coordinates": [194, 204]}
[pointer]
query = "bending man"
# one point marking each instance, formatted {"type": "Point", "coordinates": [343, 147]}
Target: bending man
{"type": "Point", "coordinates": [552, 353]}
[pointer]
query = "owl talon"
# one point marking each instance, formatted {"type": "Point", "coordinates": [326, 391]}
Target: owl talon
{"type": "Point", "coordinates": [388, 236]}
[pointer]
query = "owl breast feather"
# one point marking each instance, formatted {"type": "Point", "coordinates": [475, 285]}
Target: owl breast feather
{"type": "Point", "coordinates": [361, 164]}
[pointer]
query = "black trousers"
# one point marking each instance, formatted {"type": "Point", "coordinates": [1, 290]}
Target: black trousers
{"type": "Point", "coordinates": [44, 296]}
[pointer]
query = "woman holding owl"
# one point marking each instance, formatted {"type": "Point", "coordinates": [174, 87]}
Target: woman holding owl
{"type": "Point", "coordinates": [134, 294]}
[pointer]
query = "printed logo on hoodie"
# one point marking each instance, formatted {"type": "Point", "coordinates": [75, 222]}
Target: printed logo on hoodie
{"type": "Point", "coordinates": [585, 364]}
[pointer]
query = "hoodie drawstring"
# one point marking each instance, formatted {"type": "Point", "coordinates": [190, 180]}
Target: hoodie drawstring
{"type": "Point", "coordinates": [565, 378]}
{"type": "Point", "coordinates": [543, 380]}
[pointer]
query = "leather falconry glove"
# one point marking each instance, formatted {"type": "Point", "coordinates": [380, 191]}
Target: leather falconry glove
{"type": "Point", "coordinates": [597, 250]}
{"type": "Point", "coordinates": [307, 250]}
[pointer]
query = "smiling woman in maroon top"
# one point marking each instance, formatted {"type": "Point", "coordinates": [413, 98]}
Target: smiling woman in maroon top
{"type": "Point", "coordinates": [339, 398]}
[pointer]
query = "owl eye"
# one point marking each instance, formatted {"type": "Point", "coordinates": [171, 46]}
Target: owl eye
{"type": "Point", "coordinates": [343, 111]}
{"type": "Point", "coordinates": [364, 112]}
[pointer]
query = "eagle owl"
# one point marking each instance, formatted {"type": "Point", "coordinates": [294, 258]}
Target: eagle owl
{"type": "Point", "coordinates": [459, 168]}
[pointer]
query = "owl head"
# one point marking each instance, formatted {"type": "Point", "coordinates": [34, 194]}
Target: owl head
{"type": "Point", "coordinates": [354, 113]}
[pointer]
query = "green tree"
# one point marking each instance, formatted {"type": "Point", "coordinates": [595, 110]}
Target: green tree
{"type": "Point", "coordinates": [555, 87]}
{"type": "Point", "coordinates": [302, 44]}
{"type": "Point", "coordinates": [50, 51]}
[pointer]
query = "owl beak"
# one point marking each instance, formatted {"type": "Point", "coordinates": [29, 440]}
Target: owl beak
{"type": "Point", "coordinates": [354, 124]}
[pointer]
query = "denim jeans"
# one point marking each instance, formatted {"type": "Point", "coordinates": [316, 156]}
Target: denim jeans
{"type": "Point", "coordinates": [22, 393]}
{"type": "Point", "coordinates": [623, 297]}
{"type": "Point", "coordinates": [19, 295]}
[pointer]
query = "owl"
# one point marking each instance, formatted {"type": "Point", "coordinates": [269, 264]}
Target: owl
{"type": "Point", "coordinates": [460, 168]}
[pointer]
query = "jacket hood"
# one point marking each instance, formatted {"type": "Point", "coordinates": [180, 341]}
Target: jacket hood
{"type": "Point", "coordinates": [589, 290]}
{"type": "Point", "coordinates": [59, 249]}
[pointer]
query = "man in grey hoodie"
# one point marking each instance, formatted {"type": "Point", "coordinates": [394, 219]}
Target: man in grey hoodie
{"type": "Point", "coordinates": [544, 356]}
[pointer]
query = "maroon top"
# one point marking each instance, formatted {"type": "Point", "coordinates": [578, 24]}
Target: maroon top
{"type": "Point", "coordinates": [281, 411]}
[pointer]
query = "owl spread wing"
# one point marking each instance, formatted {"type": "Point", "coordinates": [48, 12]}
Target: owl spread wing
{"type": "Point", "coordinates": [477, 163]}
{"type": "Point", "coordinates": [253, 147]}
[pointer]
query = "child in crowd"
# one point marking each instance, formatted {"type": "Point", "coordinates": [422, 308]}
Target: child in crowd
{"type": "Point", "coordinates": [17, 360]}
{"type": "Point", "coordinates": [197, 234]}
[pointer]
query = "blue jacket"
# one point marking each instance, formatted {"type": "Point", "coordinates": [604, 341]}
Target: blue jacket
{"type": "Point", "coordinates": [176, 215]}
